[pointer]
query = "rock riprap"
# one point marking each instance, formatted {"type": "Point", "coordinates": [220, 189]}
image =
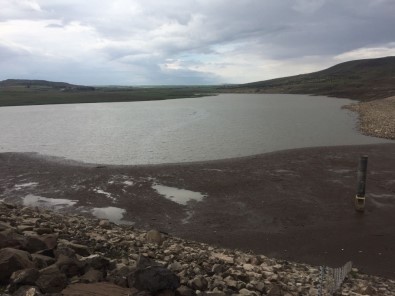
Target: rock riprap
{"type": "Point", "coordinates": [44, 252]}
{"type": "Point", "coordinates": [377, 118]}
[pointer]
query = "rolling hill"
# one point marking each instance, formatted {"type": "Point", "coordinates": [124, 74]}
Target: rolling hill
{"type": "Point", "coordinates": [364, 80]}
{"type": "Point", "coordinates": [27, 83]}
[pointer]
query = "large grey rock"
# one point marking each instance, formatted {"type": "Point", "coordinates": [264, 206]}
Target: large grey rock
{"type": "Point", "coordinates": [92, 276]}
{"type": "Point", "coordinates": [155, 278]}
{"type": "Point", "coordinates": [185, 291]}
{"type": "Point", "coordinates": [154, 237]}
{"type": "Point", "coordinates": [152, 276]}
{"type": "Point", "coordinates": [10, 239]}
{"type": "Point", "coordinates": [105, 224]}
{"type": "Point", "coordinates": [23, 277]}
{"type": "Point", "coordinates": [34, 243]}
{"type": "Point", "coordinates": [4, 226]}
{"type": "Point", "coordinates": [41, 261]}
{"type": "Point", "coordinates": [51, 280]}
{"type": "Point", "coordinates": [97, 261]}
{"type": "Point", "coordinates": [78, 249]}
{"type": "Point", "coordinates": [66, 251]}
{"type": "Point", "coordinates": [43, 230]}
{"type": "Point", "coordinates": [144, 262]}
{"type": "Point", "coordinates": [199, 283]}
{"type": "Point", "coordinates": [120, 274]}
{"type": "Point", "coordinates": [26, 276]}
{"type": "Point", "coordinates": [28, 291]}
{"type": "Point", "coordinates": [51, 240]}
{"type": "Point", "coordinates": [276, 291]}
{"type": "Point", "coordinates": [69, 266]}
{"type": "Point", "coordinates": [12, 260]}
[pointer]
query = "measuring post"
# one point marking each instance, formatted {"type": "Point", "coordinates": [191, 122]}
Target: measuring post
{"type": "Point", "coordinates": [361, 185]}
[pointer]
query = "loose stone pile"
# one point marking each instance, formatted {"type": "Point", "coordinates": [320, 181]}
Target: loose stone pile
{"type": "Point", "coordinates": [44, 252]}
{"type": "Point", "coordinates": [377, 118]}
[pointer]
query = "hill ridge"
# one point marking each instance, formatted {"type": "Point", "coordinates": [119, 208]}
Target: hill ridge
{"type": "Point", "coordinates": [365, 79]}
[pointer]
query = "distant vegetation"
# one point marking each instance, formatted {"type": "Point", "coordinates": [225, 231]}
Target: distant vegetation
{"type": "Point", "coordinates": [361, 79]}
{"type": "Point", "coordinates": [364, 80]}
{"type": "Point", "coordinates": [16, 92]}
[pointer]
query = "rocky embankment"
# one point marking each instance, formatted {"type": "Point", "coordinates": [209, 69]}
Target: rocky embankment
{"type": "Point", "coordinates": [377, 118]}
{"type": "Point", "coordinates": [44, 252]}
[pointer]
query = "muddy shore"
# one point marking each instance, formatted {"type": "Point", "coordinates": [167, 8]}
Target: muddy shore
{"type": "Point", "coordinates": [294, 204]}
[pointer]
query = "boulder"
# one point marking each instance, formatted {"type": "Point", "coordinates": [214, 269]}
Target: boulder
{"type": "Point", "coordinates": [199, 283]}
{"type": "Point", "coordinates": [41, 261]}
{"type": "Point", "coordinates": [51, 240]}
{"type": "Point", "coordinates": [152, 276]}
{"type": "Point", "coordinates": [70, 266]}
{"type": "Point", "coordinates": [12, 260]}
{"type": "Point", "coordinates": [28, 291]}
{"type": "Point", "coordinates": [78, 249]}
{"type": "Point", "coordinates": [175, 266]}
{"type": "Point", "coordinates": [4, 226]}
{"type": "Point", "coordinates": [34, 244]}
{"type": "Point", "coordinates": [66, 251]}
{"type": "Point", "coordinates": [10, 239]}
{"type": "Point", "coordinates": [185, 291]}
{"type": "Point", "coordinates": [22, 228]}
{"type": "Point", "coordinates": [43, 230]}
{"type": "Point", "coordinates": [92, 276]}
{"type": "Point", "coordinates": [155, 279]}
{"type": "Point", "coordinates": [276, 291]}
{"type": "Point", "coordinates": [154, 237]}
{"type": "Point", "coordinates": [247, 292]}
{"type": "Point", "coordinates": [97, 262]}
{"type": "Point", "coordinates": [51, 280]}
{"type": "Point", "coordinates": [26, 276]}
{"type": "Point", "coordinates": [119, 275]}
{"type": "Point", "coordinates": [105, 224]}
{"type": "Point", "coordinates": [218, 268]}
{"type": "Point", "coordinates": [144, 262]}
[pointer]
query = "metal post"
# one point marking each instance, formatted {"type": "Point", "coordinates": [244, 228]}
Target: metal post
{"type": "Point", "coordinates": [361, 176]}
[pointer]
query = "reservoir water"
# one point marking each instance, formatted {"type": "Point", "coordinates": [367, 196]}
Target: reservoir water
{"type": "Point", "coordinates": [182, 130]}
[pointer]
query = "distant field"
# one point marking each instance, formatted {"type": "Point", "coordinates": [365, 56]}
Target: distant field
{"type": "Point", "coordinates": [41, 95]}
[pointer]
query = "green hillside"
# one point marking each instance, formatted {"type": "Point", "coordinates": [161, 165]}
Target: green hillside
{"type": "Point", "coordinates": [360, 79]}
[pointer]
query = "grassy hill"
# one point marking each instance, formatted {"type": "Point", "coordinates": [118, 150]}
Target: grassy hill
{"type": "Point", "coordinates": [43, 84]}
{"type": "Point", "coordinates": [17, 92]}
{"type": "Point", "coordinates": [360, 79]}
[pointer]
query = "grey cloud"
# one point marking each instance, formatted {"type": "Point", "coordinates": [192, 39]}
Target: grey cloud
{"type": "Point", "coordinates": [55, 26]}
{"type": "Point", "coordinates": [140, 35]}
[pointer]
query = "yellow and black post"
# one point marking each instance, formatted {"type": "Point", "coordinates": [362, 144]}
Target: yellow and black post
{"type": "Point", "coordinates": [361, 185]}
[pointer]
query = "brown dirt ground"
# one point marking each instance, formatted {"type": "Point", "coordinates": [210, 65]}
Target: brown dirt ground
{"type": "Point", "coordinates": [294, 204]}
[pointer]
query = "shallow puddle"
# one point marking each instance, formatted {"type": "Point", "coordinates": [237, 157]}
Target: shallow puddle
{"type": "Point", "coordinates": [113, 214]}
{"type": "Point", "coordinates": [53, 203]}
{"type": "Point", "coordinates": [180, 196]}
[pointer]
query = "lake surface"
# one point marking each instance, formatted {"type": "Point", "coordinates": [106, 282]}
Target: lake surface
{"type": "Point", "coordinates": [182, 130]}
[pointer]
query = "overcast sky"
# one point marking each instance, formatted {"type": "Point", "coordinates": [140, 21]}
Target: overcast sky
{"type": "Point", "coordinates": [135, 42]}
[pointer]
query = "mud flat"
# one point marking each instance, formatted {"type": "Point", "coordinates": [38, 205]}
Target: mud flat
{"type": "Point", "coordinates": [295, 204]}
